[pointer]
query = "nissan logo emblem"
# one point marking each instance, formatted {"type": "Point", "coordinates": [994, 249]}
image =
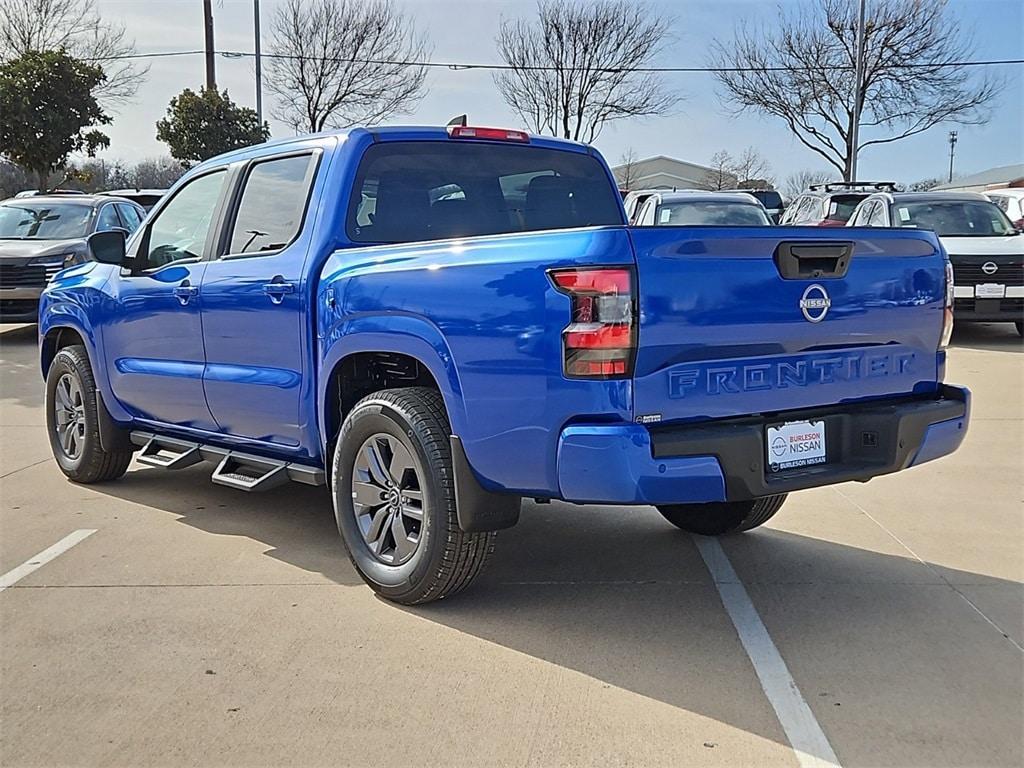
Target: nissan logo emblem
{"type": "Point", "coordinates": [815, 303]}
{"type": "Point", "coordinates": [989, 267]}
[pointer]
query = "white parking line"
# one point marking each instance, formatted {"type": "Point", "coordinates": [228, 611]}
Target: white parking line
{"type": "Point", "coordinates": [34, 563]}
{"type": "Point", "coordinates": [803, 731]}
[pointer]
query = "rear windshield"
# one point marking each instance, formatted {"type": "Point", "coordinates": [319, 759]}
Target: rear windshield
{"type": "Point", "coordinates": [711, 214]}
{"type": "Point", "coordinates": [432, 190]}
{"type": "Point", "coordinates": [25, 220]}
{"type": "Point", "coordinates": [953, 218]}
{"type": "Point", "coordinates": [840, 207]}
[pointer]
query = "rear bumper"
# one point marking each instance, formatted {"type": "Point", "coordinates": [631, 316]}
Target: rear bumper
{"type": "Point", "coordinates": [725, 460]}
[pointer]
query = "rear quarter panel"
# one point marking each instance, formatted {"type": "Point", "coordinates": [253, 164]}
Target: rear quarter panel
{"type": "Point", "coordinates": [483, 316]}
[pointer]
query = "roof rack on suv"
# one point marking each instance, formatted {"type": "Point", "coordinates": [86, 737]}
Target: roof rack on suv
{"type": "Point", "coordinates": [832, 186]}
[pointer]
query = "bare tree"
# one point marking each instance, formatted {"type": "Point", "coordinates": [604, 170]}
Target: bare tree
{"type": "Point", "coordinates": [800, 180]}
{"type": "Point", "coordinates": [338, 63]}
{"type": "Point", "coordinates": [626, 171]}
{"type": "Point", "coordinates": [720, 175]}
{"type": "Point", "coordinates": [752, 170]}
{"type": "Point", "coordinates": [801, 70]}
{"type": "Point", "coordinates": [572, 69]}
{"type": "Point", "coordinates": [75, 26]}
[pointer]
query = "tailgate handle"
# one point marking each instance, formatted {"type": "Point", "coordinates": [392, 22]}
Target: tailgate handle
{"type": "Point", "coordinates": [810, 261]}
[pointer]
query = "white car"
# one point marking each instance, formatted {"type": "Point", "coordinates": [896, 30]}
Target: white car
{"type": "Point", "coordinates": [986, 250]}
{"type": "Point", "coordinates": [1011, 202]}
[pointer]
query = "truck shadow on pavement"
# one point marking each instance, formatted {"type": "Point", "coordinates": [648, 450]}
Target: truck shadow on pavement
{"type": "Point", "coordinates": [620, 596]}
{"type": "Point", "coordinates": [998, 337]}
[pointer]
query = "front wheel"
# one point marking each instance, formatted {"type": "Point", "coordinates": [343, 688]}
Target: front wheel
{"type": "Point", "coordinates": [72, 421]}
{"type": "Point", "coordinates": [394, 499]}
{"type": "Point", "coordinates": [718, 518]}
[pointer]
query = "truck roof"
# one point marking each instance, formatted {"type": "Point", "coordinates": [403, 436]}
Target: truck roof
{"type": "Point", "coordinates": [387, 133]}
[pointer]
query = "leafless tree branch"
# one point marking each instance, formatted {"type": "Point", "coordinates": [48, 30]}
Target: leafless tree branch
{"type": "Point", "coordinates": [338, 63]}
{"type": "Point", "coordinates": [572, 66]}
{"type": "Point", "coordinates": [908, 84]}
{"type": "Point", "coordinates": [75, 26]}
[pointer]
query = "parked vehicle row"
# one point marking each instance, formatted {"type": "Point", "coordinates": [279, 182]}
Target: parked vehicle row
{"type": "Point", "coordinates": [984, 247]}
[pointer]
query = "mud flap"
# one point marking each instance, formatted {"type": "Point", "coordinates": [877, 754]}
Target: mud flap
{"type": "Point", "coordinates": [479, 510]}
{"type": "Point", "coordinates": [112, 437]}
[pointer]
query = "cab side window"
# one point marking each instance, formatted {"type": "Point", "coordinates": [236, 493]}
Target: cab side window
{"type": "Point", "coordinates": [273, 204]}
{"type": "Point", "coordinates": [180, 229]}
{"type": "Point", "coordinates": [107, 219]}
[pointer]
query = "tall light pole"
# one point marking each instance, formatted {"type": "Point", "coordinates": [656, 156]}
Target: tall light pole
{"type": "Point", "coordinates": [858, 95]}
{"type": "Point", "coordinates": [952, 146]}
{"type": "Point", "coordinates": [259, 63]}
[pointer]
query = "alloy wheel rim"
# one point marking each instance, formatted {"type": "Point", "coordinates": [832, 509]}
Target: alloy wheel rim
{"type": "Point", "coordinates": [69, 416]}
{"type": "Point", "coordinates": [387, 497]}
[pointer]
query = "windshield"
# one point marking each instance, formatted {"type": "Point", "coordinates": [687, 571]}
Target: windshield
{"type": "Point", "coordinates": [711, 214]}
{"type": "Point", "coordinates": [954, 218]}
{"type": "Point", "coordinates": [43, 221]}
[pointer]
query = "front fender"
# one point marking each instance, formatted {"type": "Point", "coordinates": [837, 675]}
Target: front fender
{"type": "Point", "coordinates": [400, 333]}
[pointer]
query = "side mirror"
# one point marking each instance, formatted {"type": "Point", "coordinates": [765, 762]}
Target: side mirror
{"type": "Point", "coordinates": [107, 247]}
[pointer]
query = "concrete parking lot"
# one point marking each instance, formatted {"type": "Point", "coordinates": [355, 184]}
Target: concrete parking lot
{"type": "Point", "coordinates": [200, 626]}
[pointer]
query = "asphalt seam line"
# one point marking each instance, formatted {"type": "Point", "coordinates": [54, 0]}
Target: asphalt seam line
{"type": "Point", "coordinates": [33, 564]}
{"type": "Point", "coordinates": [805, 735]}
{"type": "Point", "coordinates": [934, 570]}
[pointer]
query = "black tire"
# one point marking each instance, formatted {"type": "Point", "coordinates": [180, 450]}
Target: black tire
{"type": "Point", "coordinates": [1020, 327]}
{"type": "Point", "coordinates": [446, 559]}
{"type": "Point", "coordinates": [718, 518]}
{"type": "Point", "coordinates": [87, 462]}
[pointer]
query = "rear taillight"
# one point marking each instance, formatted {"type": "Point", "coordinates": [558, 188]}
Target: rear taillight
{"type": "Point", "coordinates": [600, 340]}
{"type": "Point", "coordinates": [947, 309]}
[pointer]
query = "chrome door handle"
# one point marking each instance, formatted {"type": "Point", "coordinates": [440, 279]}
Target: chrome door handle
{"type": "Point", "coordinates": [276, 290]}
{"type": "Point", "coordinates": [185, 292]}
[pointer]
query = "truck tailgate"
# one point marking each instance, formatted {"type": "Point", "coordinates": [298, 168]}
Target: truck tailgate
{"type": "Point", "coordinates": [723, 333]}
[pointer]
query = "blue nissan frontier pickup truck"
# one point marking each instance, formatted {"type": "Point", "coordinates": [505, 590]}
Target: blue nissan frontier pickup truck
{"type": "Point", "coordinates": [437, 322]}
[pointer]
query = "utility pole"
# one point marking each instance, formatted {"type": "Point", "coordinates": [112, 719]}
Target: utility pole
{"type": "Point", "coordinates": [259, 63]}
{"type": "Point", "coordinates": [211, 77]}
{"type": "Point", "coordinates": [858, 95]}
{"type": "Point", "coordinates": [952, 145]}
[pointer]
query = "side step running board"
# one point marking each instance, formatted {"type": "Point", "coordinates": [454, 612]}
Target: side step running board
{"type": "Point", "coordinates": [243, 471]}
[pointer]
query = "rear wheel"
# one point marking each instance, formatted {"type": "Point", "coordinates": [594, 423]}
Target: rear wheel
{"type": "Point", "coordinates": [717, 518]}
{"type": "Point", "coordinates": [72, 421]}
{"type": "Point", "coordinates": [394, 499]}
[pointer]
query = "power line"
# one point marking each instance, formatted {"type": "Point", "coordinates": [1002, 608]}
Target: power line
{"type": "Point", "coordinates": [457, 66]}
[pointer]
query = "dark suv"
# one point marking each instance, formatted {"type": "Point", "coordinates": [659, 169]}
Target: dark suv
{"type": "Point", "coordinates": [832, 203]}
{"type": "Point", "coordinates": [42, 234]}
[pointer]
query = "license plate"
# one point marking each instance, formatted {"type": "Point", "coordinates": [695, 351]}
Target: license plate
{"type": "Point", "coordinates": [989, 291]}
{"type": "Point", "coordinates": [796, 444]}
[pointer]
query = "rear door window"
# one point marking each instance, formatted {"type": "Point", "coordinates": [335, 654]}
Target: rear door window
{"type": "Point", "coordinates": [434, 190]}
{"type": "Point", "coordinates": [273, 204]}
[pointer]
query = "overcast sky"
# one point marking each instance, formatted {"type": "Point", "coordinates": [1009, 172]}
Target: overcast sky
{"type": "Point", "coordinates": [464, 30]}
